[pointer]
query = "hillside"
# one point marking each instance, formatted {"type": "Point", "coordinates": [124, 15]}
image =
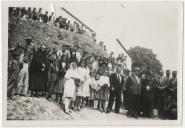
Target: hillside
{"type": "Point", "coordinates": [48, 34]}
{"type": "Point", "coordinates": [29, 108]}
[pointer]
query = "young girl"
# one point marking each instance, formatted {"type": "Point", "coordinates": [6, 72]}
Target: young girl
{"type": "Point", "coordinates": [104, 87]}
{"type": "Point", "coordinates": [79, 89]}
{"type": "Point", "coordinates": [63, 66]}
{"type": "Point", "coordinates": [69, 86]}
{"type": "Point", "coordinates": [92, 89]}
{"type": "Point", "coordinates": [96, 91]}
{"type": "Point", "coordinates": [13, 73]}
{"type": "Point", "coordinates": [86, 88]}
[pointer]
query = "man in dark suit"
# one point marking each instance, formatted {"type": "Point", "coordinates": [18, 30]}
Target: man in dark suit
{"type": "Point", "coordinates": [133, 86]}
{"type": "Point", "coordinates": [116, 85]}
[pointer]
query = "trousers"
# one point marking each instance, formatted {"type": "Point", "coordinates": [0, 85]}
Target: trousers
{"type": "Point", "coordinates": [117, 95]}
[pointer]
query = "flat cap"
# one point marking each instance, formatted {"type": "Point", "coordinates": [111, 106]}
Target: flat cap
{"type": "Point", "coordinates": [136, 69]}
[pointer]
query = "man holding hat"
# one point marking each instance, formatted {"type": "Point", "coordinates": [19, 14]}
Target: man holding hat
{"type": "Point", "coordinates": [133, 87]}
{"type": "Point", "coordinates": [23, 76]}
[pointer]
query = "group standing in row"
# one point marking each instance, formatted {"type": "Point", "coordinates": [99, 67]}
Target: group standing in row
{"type": "Point", "coordinates": [77, 79]}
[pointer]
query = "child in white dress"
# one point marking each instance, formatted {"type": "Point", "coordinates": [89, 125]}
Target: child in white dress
{"type": "Point", "coordinates": [79, 89]}
{"type": "Point", "coordinates": [92, 90]}
{"type": "Point", "coordinates": [104, 90]}
{"type": "Point", "coordinates": [69, 86]}
{"type": "Point", "coordinates": [96, 91]}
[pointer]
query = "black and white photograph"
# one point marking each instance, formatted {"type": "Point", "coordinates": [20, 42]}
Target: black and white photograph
{"type": "Point", "coordinates": [96, 63]}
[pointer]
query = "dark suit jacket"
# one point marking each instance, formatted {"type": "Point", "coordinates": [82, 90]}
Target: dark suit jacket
{"type": "Point", "coordinates": [115, 83]}
{"type": "Point", "coordinates": [132, 86]}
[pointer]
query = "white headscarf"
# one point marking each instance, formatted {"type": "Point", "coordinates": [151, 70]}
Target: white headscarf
{"type": "Point", "coordinates": [71, 66]}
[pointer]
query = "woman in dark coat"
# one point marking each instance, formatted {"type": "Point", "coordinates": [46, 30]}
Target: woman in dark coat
{"type": "Point", "coordinates": [37, 72]}
{"type": "Point", "coordinates": [63, 66]}
{"type": "Point", "coordinates": [147, 96]}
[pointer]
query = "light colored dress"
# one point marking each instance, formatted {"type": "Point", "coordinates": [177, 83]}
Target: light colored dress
{"type": "Point", "coordinates": [86, 87]}
{"type": "Point", "coordinates": [82, 72]}
{"type": "Point", "coordinates": [104, 87]}
{"type": "Point", "coordinates": [96, 90]}
{"type": "Point", "coordinates": [92, 88]}
{"type": "Point", "coordinates": [23, 77]}
{"type": "Point", "coordinates": [69, 86]}
{"type": "Point", "coordinates": [86, 84]}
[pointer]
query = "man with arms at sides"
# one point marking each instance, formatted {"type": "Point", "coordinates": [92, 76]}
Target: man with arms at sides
{"type": "Point", "coordinates": [116, 85]}
{"type": "Point", "coordinates": [133, 87]}
{"type": "Point", "coordinates": [125, 99]}
{"type": "Point", "coordinates": [164, 95]}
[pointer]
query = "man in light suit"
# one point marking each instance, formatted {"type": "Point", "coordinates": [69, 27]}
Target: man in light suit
{"type": "Point", "coordinates": [116, 86]}
{"type": "Point", "coordinates": [133, 86]}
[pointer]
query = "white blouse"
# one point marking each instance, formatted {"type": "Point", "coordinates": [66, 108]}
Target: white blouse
{"type": "Point", "coordinates": [104, 80]}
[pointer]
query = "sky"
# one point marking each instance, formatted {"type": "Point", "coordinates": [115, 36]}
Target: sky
{"type": "Point", "coordinates": [153, 25]}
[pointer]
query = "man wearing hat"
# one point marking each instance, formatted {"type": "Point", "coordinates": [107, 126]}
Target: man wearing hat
{"type": "Point", "coordinates": [23, 84]}
{"type": "Point", "coordinates": [39, 14]}
{"type": "Point", "coordinates": [29, 50]}
{"type": "Point", "coordinates": [133, 87]}
{"type": "Point", "coordinates": [51, 18]}
{"type": "Point", "coordinates": [29, 13]}
{"type": "Point", "coordinates": [125, 99]}
{"type": "Point", "coordinates": [164, 95]}
{"type": "Point", "coordinates": [45, 17]}
{"type": "Point", "coordinates": [34, 14]}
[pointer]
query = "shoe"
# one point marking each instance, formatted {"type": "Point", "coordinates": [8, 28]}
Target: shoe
{"type": "Point", "coordinates": [101, 110]}
{"type": "Point", "coordinates": [129, 116]}
{"type": "Point", "coordinates": [117, 112]}
{"type": "Point", "coordinates": [67, 113]}
{"type": "Point", "coordinates": [108, 111]}
{"type": "Point", "coordinates": [49, 99]}
{"type": "Point", "coordinates": [136, 116]}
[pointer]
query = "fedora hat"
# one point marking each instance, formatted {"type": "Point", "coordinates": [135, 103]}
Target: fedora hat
{"type": "Point", "coordinates": [29, 39]}
{"type": "Point", "coordinates": [136, 69]}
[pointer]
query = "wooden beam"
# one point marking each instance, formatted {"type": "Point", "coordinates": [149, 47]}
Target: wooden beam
{"type": "Point", "coordinates": [123, 47]}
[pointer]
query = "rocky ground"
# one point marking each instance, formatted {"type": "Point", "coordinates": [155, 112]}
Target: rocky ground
{"type": "Point", "coordinates": [29, 108]}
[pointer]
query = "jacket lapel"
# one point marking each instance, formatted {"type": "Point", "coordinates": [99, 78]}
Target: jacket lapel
{"type": "Point", "coordinates": [134, 78]}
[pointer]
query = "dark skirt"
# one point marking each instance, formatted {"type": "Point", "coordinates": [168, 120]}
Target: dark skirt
{"type": "Point", "coordinates": [60, 85]}
{"type": "Point", "coordinates": [104, 93]}
{"type": "Point", "coordinates": [92, 94]}
{"type": "Point", "coordinates": [38, 81]}
{"type": "Point", "coordinates": [96, 95]}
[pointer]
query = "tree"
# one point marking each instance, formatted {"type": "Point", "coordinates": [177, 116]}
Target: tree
{"type": "Point", "coordinates": [145, 58]}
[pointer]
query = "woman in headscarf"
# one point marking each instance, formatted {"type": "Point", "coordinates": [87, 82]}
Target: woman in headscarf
{"type": "Point", "coordinates": [69, 86]}
{"type": "Point", "coordinates": [37, 71]}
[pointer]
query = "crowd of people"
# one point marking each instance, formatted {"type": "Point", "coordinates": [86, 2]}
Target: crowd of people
{"type": "Point", "coordinates": [77, 79]}
{"type": "Point", "coordinates": [22, 13]}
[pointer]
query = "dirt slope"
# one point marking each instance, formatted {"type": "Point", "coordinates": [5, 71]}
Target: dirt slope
{"type": "Point", "coordinates": [48, 34]}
